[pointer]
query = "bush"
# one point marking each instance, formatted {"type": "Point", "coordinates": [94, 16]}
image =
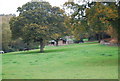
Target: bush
{"type": "Point", "coordinates": [79, 41]}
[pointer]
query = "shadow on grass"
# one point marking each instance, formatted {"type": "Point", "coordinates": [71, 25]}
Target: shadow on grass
{"type": "Point", "coordinates": [34, 52]}
{"type": "Point", "coordinates": [26, 52]}
{"type": "Point", "coordinates": [56, 50]}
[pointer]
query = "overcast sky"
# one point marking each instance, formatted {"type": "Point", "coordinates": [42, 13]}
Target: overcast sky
{"type": "Point", "coordinates": [10, 6]}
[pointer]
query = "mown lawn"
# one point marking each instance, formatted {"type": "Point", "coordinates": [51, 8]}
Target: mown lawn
{"type": "Point", "coordinates": [75, 61]}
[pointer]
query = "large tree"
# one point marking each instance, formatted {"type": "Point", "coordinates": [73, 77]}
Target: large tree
{"type": "Point", "coordinates": [101, 16]}
{"type": "Point", "coordinates": [37, 21]}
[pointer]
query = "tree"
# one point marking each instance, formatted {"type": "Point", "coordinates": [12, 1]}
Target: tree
{"type": "Point", "coordinates": [60, 28]}
{"type": "Point", "coordinates": [112, 17]}
{"type": "Point", "coordinates": [95, 15]}
{"type": "Point", "coordinates": [37, 21]}
{"type": "Point", "coordinates": [77, 22]}
{"type": "Point", "coordinates": [102, 16]}
{"type": "Point", "coordinates": [99, 18]}
{"type": "Point", "coordinates": [6, 32]}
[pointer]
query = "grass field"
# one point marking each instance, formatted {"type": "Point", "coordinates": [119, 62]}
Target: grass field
{"type": "Point", "coordinates": [75, 61]}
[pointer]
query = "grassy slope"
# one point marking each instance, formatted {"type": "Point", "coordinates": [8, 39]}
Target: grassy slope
{"type": "Point", "coordinates": [77, 61]}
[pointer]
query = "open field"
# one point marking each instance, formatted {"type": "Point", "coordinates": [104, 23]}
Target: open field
{"type": "Point", "coordinates": [75, 61]}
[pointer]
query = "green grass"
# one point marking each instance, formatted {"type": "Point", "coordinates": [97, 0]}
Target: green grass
{"type": "Point", "coordinates": [75, 61]}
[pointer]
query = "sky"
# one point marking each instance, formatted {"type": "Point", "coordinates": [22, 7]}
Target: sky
{"type": "Point", "coordinates": [10, 6]}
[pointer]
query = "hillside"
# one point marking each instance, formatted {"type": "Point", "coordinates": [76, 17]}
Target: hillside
{"type": "Point", "coordinates": [75, 61]}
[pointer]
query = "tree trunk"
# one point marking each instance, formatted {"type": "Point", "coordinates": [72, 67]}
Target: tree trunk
{"type": "Point", "coordinates": [28, 45]}
{"type": "Point", "coordinates": [56, 42]}
{"type": "Point", "coordinates": [99, 38]}
{"type": "Point", "coordinates": [42, 46]}
{"type": "Point", "coordinates": [102, 35]}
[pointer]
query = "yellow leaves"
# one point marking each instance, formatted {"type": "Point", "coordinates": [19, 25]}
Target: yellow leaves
{"type": "Point", "coordinates": [103, 20]}
{"type": "Point", "coordinates": [111, 12]}
{"type": "Point", "coordinates": [56, 35]}
{"type": "Point", "coordinates": [65, 32]}
{"type": "Point", "coordinates": [43, 27]}
{"type": "Point", "coordinates": [98, 10]}
{"type": "Point", "coordinates": [111, 31]}
{"type": "Point", "coordinates": [87, 11]}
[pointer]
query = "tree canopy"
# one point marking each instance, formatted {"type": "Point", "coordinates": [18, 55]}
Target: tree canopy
{"type": "Point", "coordinates": [38, 21]}
{"type": "Point", "coordinates": [93, 18]}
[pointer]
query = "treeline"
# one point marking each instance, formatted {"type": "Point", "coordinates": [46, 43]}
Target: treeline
{"type": "Point", "coordinates": [93, 20]}
{"type": "Point", "coordinates": [8, 43]}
